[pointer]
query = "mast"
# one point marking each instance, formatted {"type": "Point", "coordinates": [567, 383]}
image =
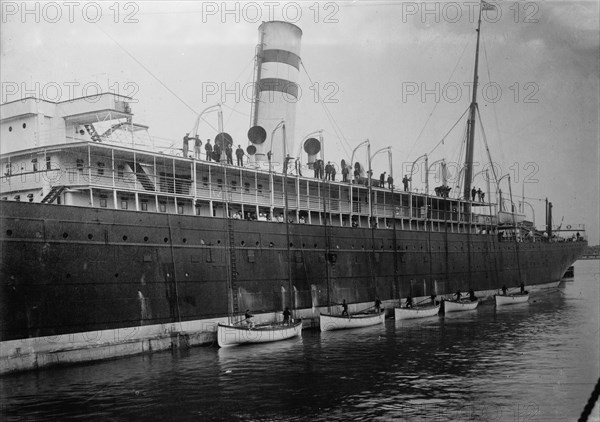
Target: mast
{"type": "Point", "coordinates": [471, 122]}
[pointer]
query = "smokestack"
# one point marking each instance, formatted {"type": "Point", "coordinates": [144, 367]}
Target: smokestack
{"type": "Point", "coordinates": [277, 69]}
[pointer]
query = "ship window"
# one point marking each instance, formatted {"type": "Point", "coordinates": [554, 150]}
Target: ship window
{"type": "Point", "coordinates": [48, 164]}
{"type": "Point", "coordinates": [120, 170]}
{"type": "Point", "coordinates": [197, 209]}
{"type": "Point", "coordinates": [9, 232]}
{"type": "Point", "coordinates": [220, 183]}
{"type": "Point", "coordinates": [35, 164]}
{"type": "Point", "coordinates": [90, 236]}
{"type": "Point", "coordinates": [124, 205]}
{"type": "Point", "coordinates": [233, 185]}
{"type": "Point", "coordinates": [103, 202]}
{"type": "Point", "coordinates": [82, 132]}
{"type": "Point", "coordinates": [124, 237]}
{"type": "Point", "coordinates": [205, 181]}
{"type": "Point", "coordinates": [145, 238]}
{"type": "Point", "coordinates": [162, 207]}
{"type": "Point", "coordinates": [247, 187]}
{"type": "Point", "coordinates": [259, 189]}
{"type": "Point", "coordinates": [24, 125]}
{"type": "Point", "coordinates": [144, 206]}
{"type": "Point", "coordinates": [10, 128]}
{"type": "Point", "coordinates": [100, 168]}
{"type": "Point", "coordinates": [179, 209]}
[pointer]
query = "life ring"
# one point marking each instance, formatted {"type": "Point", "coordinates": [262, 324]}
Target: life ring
{"type": "Point", "coordinates": [568, 227]}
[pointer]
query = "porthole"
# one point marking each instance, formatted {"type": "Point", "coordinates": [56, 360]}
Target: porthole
{"type": "Point", "coordinates": [9, 232]}
{"type": "Point", "coordinates": [90, 236]}
{"type": "Point", "coordinates": [242, 243]}
{"type": "Point", "coordinates": [257, 243]}
{"type": "Point", "coordinates": [218, 242]}
{"type": "Point", "coordinates": [291, 245]}
{"type": "Point", "coordinates": [166, 239]}
{"type": "Point", "coordinates": [68, 275]}
{"type": "Point", "coordinates": [145, 238]}
{"type": "Point", "coordinates": [10, 128]}
{"type": "Point", "coordinates": [315, 245]}
{"type": "Point", "coordinates": [124, 237]}
{"type": "Point", "coordinates": [184, 240]}
{"type": "Point", "coordinates": [304, 245]}
{"type": "Point", "coordinates": [24, 125]}
{"type": "Point", "coordinates": [271, 244]}
{"type": "Point", "coordinates": [116, 275]}
{"type": "Point", "coordinates": [65, 235]}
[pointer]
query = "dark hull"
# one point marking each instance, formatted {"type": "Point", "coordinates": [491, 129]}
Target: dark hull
{"type": "Point", "coordinates": [70, 270]}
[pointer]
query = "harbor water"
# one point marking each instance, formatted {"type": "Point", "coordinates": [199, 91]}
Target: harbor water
{"type": "Point", "coordinates": [531, 362]}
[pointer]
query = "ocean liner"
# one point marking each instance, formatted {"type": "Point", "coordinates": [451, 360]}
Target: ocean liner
{"type": "Point", "coordinates": [112, 245]}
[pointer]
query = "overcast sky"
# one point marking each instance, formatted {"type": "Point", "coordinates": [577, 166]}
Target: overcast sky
{"type": "Point", "coordinates": [395, 73]}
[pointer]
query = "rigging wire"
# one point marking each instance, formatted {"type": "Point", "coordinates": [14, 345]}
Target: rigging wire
{"type": "Point", "coordinates": [340, 135]}
{"type": "Point", "coordinates": [437, 103]}
{"type": "Point", "coordinates": [448, 132]}
{"type": "Point", "coordinates": [152, 74]}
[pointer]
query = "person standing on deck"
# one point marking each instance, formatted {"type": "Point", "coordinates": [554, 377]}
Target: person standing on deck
{"type": "Point", "coordinates": [390, 182]}
{"type": "Point", "coordinates": [345, 172]}
{"type": "Point", "coordinates": [409, 302]}
{"type": "Point", "coordinates": [239, 153]}
{"type": "Point", "coordinates": [522, 288]}
{"type": "Point", "coordinates": [208, 148]}
{"type": "Point", "coordinates": [197, 147]}
{"type": "Point", "coordinates": [333, 172]}
{"type": "Point", "coordinates": [504, 289]}
{"type": "Point", "coordinates": [217, 152]}
{"type": "Point", "coordinates": [186, 145]}
{"type": "Point", "coordinates": [229, 154]}
{"type": "Point", "coordinates": [328, 171]}
{"type": "Point", "coordinates": [382, 180]}
{"type": "Point", "coordinates": [405, 182]}
{"type": "Point", "coordinates": [473, 193]}
{"type": "Point", "coordinates": [479, 194]}
{"type": "Point", "coordinates": [482, 196]}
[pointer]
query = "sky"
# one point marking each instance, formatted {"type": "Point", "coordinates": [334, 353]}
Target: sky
{"type": "Point", "coordinates": [396, 73]}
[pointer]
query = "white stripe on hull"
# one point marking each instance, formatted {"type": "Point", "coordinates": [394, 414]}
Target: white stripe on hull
{"type": "Point", "coordinates": [231, 335]}
{"type": "Point", "coordinates": [338, 322]}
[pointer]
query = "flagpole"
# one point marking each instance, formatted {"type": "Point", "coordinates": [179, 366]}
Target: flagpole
{"type": "Point", "coordinates": [471, 122]}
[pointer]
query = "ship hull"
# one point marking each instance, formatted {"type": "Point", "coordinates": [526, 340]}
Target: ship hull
{"type": "Point", "coordinates": [85, 283]}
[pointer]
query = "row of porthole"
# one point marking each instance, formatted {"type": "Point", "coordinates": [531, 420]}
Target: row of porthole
{"type": "Point", "coordinates": [10, 127]}
{"type": "Point", "coordinates": [243, 243]}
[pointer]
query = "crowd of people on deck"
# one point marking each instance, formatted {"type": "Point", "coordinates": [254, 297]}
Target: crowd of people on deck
{"type": "Point", "coordinates": [213, 152]}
